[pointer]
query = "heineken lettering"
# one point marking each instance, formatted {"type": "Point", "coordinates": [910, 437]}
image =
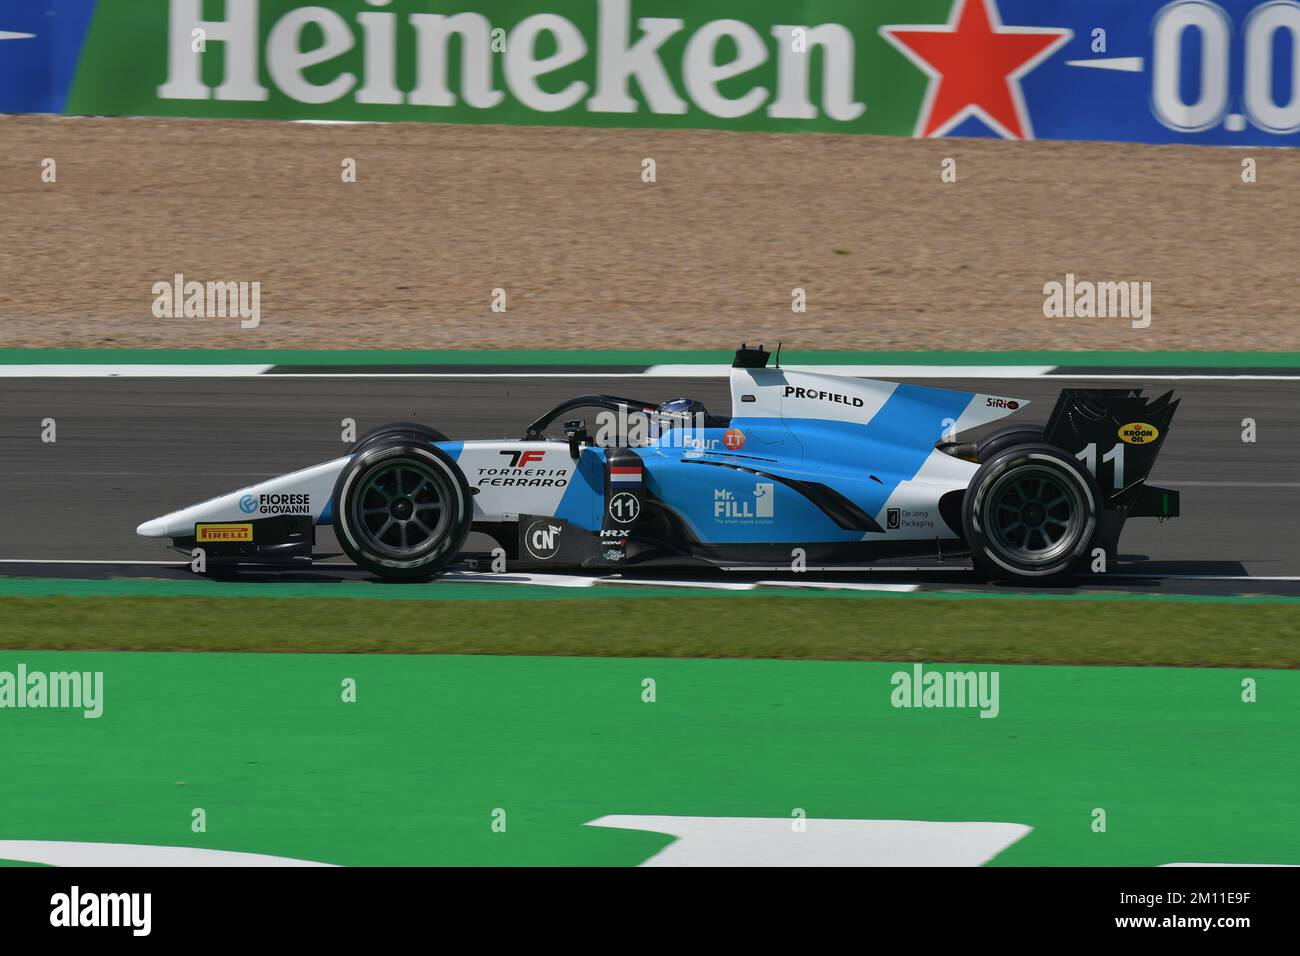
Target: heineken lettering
{"type": "Point", "coordinates": [625, 49]}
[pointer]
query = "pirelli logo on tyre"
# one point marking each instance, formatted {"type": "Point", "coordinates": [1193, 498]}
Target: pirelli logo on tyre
{"type": "Point", "coordinates": [223, 532]}
{"type": "Point", "coordinates": [1138, 433]}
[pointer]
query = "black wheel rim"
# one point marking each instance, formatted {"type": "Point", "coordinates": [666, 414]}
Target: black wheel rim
{"type": "Point", "coordinates": [1035, 515]}
{"type": "Point", "coordinates": [402, 509]}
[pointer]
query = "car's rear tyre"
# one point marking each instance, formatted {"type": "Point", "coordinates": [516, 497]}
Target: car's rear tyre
{"type": "Point", "coordinates": [1031, 514]}
{"type": "Point", "coordinates": [1001, 439]}
{"type": "Point", "coordinates": [402, 509]}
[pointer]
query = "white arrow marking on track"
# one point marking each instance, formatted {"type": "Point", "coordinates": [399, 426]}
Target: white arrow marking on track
{"type": "Point", "coordinates": [773, 841]}
{"type": "Point", "coordinates": [60, 853]}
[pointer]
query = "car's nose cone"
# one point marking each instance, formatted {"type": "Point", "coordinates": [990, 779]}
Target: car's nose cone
{"type": "Point", "coordinates": [157, 528]}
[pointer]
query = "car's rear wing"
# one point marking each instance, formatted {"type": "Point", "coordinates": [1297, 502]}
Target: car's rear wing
{"type": "Point", "coordinates": [1117, 434]}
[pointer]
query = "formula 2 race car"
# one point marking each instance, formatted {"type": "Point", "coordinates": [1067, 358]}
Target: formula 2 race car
{"type": "Point", "coordinates": [820, 468]}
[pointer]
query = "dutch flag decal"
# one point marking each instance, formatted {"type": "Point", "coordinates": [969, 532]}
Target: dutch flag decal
{"type": "Point", "coordinates": [625, 475]}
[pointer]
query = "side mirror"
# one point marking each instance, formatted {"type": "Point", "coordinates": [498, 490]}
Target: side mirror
{"type": "Point", "coordinates": [576, 432]}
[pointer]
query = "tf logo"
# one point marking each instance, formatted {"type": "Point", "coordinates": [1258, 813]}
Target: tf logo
{"type": "Point", "coordinates": [522, 459]}
{"type": "Point", "coordinates": [893, 519]}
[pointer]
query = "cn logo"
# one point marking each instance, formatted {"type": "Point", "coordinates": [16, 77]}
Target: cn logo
{"type": "Point", "coordinates": [522, 459]}
{"type": "Point", "coordinates": [542, 539]}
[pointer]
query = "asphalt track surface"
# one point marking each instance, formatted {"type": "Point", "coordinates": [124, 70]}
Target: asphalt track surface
{"type": "Point", "coordinates": [129, 449]}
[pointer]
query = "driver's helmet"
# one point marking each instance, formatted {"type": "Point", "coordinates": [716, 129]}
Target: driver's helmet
{"type": "Point", "coordinates": [681, 411]}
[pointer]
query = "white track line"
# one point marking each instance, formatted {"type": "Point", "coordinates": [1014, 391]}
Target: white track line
{"type": "Point", "coordinates": [985, 372]}
{"type": "Point", "coordinates": [1235, 484]}
{"type": "Point", "coordinates": [543, 579]}
{"type": "Point", "coordinates": [132, 371]}
{"type": "Point", "coordinates": [457, 375]}
{"type": "Point", "coordinates": [684, 370]}
{"type": "Point", "coordinates": [835, 585]}
{"type": "Point", "coordinates": [1214, 577]}
{"type": "Point", "coordinates": [257, 475]}
{"type": "Point", "coordinates": [708, 585]}
{"type": "Point", "coordinates": [888, 373]}
{"type": "Point", "coordinates": [161, 564]}
{"type": "Point", "coordinates": [583, 581]}
{"type": "Point", "coordinates": [851, 569]}
{"type": "Point", "coordinates": [1008, 372]}
{"type": "Point", "coordinates": [1130, 376]}
{"type": "Point", "coordinates": [549, 580]}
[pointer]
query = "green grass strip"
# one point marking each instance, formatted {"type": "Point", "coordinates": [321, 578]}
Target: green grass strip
{"type": "Point", "coordinates": [704, 626]}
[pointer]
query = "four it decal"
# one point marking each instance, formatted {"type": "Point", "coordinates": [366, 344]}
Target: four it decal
{"type": "Point", "coordinates": [975, 65]}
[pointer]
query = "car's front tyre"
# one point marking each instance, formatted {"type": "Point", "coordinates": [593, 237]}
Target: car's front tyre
{"type": "Point", "coordinates": [402, 510]}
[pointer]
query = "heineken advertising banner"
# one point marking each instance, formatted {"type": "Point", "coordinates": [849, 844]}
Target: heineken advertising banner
{"type": "Point", "coordinates": [1188, 71]}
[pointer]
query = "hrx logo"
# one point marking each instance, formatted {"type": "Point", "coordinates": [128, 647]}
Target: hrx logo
{"type": "Point", "coordinates": [522, 459]}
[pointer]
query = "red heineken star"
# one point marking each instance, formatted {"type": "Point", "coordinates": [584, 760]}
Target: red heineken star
{"type": "Point", "coordinates": [975, 65]}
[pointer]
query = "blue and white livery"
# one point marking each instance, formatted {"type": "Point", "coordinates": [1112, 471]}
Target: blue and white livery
{"type": "Point", "coordinates": [805, 467]}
